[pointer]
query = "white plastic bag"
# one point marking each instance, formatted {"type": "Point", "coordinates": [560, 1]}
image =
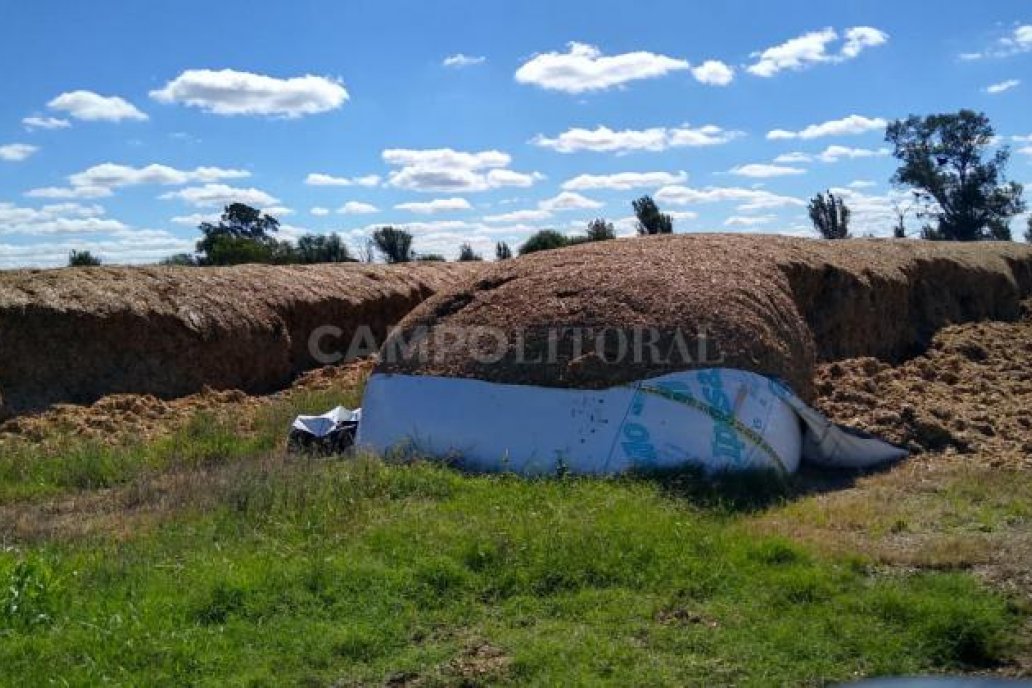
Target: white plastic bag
{"type": "Point", "coordinates": [716, 419]}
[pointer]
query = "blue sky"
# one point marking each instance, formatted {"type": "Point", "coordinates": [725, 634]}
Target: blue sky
{"type": "Point", "coordinates": [123, 124]}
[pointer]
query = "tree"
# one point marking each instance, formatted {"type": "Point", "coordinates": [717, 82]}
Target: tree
{"type": "Point", "coordinates": [181, 259]}
{"type": "Point", "coordinates": [942, 159]}
{"type": "Point", "coordinates": [242, 235]}
{"type": "Point", "coordinates": [830, 216]}
{"type": "Point", "coordinates": [322, 248]}
{"type": "Point", "coordinates": [542, 241]}
{"type": "Point", "coordinates": [1028, 232]}
{"type": "Point", "coordinates": [82, 259]}
{"type": "Point", "coordinates": [650, 220]}
{"type": "Point", "coordinates": [601, 230]}
{"type": "Point", "coordinates": [899, 230]}
{"type": "Point", "coordinates": [394, 244]}
{"type": "Point", "coordinates": [502, 251]}
{"type": "Point", "coordinates": [467, 254]}
{"type": "Point", "coordinates": [431, 258]}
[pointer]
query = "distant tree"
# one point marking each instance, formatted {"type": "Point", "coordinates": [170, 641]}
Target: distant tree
{"type": "Point", "coordinates": [242, 235]}
{"type": "Point", "coordinates": [830, 216]}
{"type": "Point", "coordinates": [394, 244]}
{"type": "Point", "coordinates": [431, 258]}
{"type": "Point", "coordinates": [542, 241]}
{"type": "Point", "coordinates": [368, 251]}
{"type": "Point", "coordinates": [942, 160]}
{"type": "Point", "coordinates": [467, 254]}
{"type": "Point", "coordinates": [182, 259]}
{"type": "Point", "coordinates": [1028, 231]}
{"type": "Point", "coordinates": [600, 230]}
{"type": "Point", "coordinates": [502, 251]}
{"type": "Point", "coordinates": [899, 230]}
{"type": "Point", "coordinates": [650, 220]}
{"type": "Point", "coordinates": [322, 248]}
{"type": "Point", "coordinates": [82, 259]}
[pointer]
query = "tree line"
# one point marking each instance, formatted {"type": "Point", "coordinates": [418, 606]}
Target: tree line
{"type": "Point", "coordinates": [959, 191]}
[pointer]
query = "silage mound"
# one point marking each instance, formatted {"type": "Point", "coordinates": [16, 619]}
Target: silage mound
{"type": "Point", "coordinates": [969, 393]}
{"type": "Point", "coordinates": [75, 335]}
{"type": "Point", "coordinates": [767, 304]}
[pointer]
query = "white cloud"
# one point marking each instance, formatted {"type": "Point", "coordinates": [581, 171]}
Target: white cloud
{"type": "Point", "coordinates": [45, 123]}
{"type": "Point", "coordinates": [812, 48]}
{"type": "Point", "coordinates": [110, 175]}
{"type": "Point", "coordinates": [61, 218]}
{"type": "Point", "coordinates": [76, 192]}
{"type": "Point", "coordinates": [861, 184]}
{"type": "Point", "coordinates": [357, 208]}
{"type": "Point", "coordinates": [460, 60]}
{"type": "Point", "coordinates": [1019, 40]}
{"type": "Point", "coordinates": [319, 211]}
{"type": "Point", "coordinates": [795, 157]}
{"type": "Point", "coordinates": [444, 169]}
{"type": "Point", "coordinates": [604, 139]}
{"type": "Point", "coordinates": [221, 195]}
{"type": "Point", "coordinates": [750, 199]}
{"type": "Point", "coordinates": [583, 68]}
{"type": "Point", "coordinates": [438, 205]}
{"type": "Point", "coordinates": [569, 200]}
{"type": "Point", "coordinates": [852, 124]}
{"type": "Point", "coordinates": [93, 107]}
{"type": "Point", "coordinates": [713, 73]}
{"type": "Point", "coordinates": [623, 181]}
{"type": "Point", "coordinates": [836, 153]}
{"type": "Point", "coordinates": [748, 220]}
{"type": "Point", "coordinates": [278, 210]}
{"type": "Point", "coordinates": [520, 216]}
{"type": "Point", "coordinates": [194, 219]}
{"type": "Point", "coordinates": [320, 179]}
{"type": "Point", "coordinates": [1002, 86]}
{"type": "Point", "coordinates": [229, 92]}
{"type": "Point", "coordinates": [763, 171]}
{"type": "Point", "coordinates": [16, 152]}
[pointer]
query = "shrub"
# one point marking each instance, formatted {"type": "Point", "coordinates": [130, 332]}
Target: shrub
{"type": "Point", "coordinates": [82, 259]}
{"type": "Point", "coordinates": [544, 240]}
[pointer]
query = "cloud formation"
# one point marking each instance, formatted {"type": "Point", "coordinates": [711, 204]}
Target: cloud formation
{"type": "Point", "coordinates": [605, 140]}
{"type": "Point", "coordinates": [93, 107]}
{"type": "Point", "coordinates": [812, 48]}
{"type": "Point", "coordinates": [445, 169]}
{"type": "Point", "coordinates": [229, 92]}
{"type": "Point", "coordinates": [847, 126]}
{"type": "Point", "coordinates": [583, 68]}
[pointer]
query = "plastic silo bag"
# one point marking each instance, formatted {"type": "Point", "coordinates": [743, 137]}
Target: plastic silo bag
{"type": "Point", "coordinates": [717, 419]}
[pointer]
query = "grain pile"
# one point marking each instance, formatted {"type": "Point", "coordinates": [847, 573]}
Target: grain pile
{"type": "Point", "coordinates": [768, 304]}
{"type": "Point", "coordinates": [969, 393]}
{"type": "Point", "coordinates": [74, 335]}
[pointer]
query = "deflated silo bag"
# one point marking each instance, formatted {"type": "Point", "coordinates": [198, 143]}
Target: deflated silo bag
{"type": "Point", "coordinates": [717, 419]}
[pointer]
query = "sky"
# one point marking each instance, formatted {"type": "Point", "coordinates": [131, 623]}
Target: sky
{"type": "Point", "coordinates": [125, 124]}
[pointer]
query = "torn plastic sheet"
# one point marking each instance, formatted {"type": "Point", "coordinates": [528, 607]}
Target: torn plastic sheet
{"type": "Point", "coordinates": [716, 419]}
{"type": "Point", "coordinates": [330, 433]}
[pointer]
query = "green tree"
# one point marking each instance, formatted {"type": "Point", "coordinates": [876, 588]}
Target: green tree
{"type": "Point", "coordinates": [830, 216]}
{"type": "Point", "coordinates": [82, 259]}
{"type": "Point", "coordinates": [467, 254]}
{"type": "Point", "coordinates": [394, 244]}
{"type": "Point", "coordinates": [242, 235]}
{"type": "Point", "coordinates": [502, 251]}
{"type": "Point", "coordinates": [431, 258]}
{"type": "Point", "coordinates": [600, 230]}
{"type": "Point", "coordinates": [943, 158]}
{"type": "Point", "coordinates": [322, 248]}
{"type": "Point", "coordinates": [1028, 231]}
{"type": "Point", "coordinates": [542, 241]}
{"type": "Point", "coordinates": [650, 220]}
{"type": "Point", "coordinates": [182, 259]}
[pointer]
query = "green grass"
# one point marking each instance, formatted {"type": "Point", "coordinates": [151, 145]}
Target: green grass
{"type": "Point", "coordinates": [70, 463]}
{"type": "Point", "coordinates": [314, 572]}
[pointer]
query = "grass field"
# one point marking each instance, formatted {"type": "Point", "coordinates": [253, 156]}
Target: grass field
{"type": "Point", "coordinates": [211, 558]}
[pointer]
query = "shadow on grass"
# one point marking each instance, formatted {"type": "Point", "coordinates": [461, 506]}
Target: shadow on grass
{"type": "Point", "coordinates": [757, 490]}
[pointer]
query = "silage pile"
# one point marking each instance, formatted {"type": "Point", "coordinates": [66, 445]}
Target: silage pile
{"type": "Point", "coordinates": [74, 335]}
{"type": "Point", "coordinates": [767, 304]}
